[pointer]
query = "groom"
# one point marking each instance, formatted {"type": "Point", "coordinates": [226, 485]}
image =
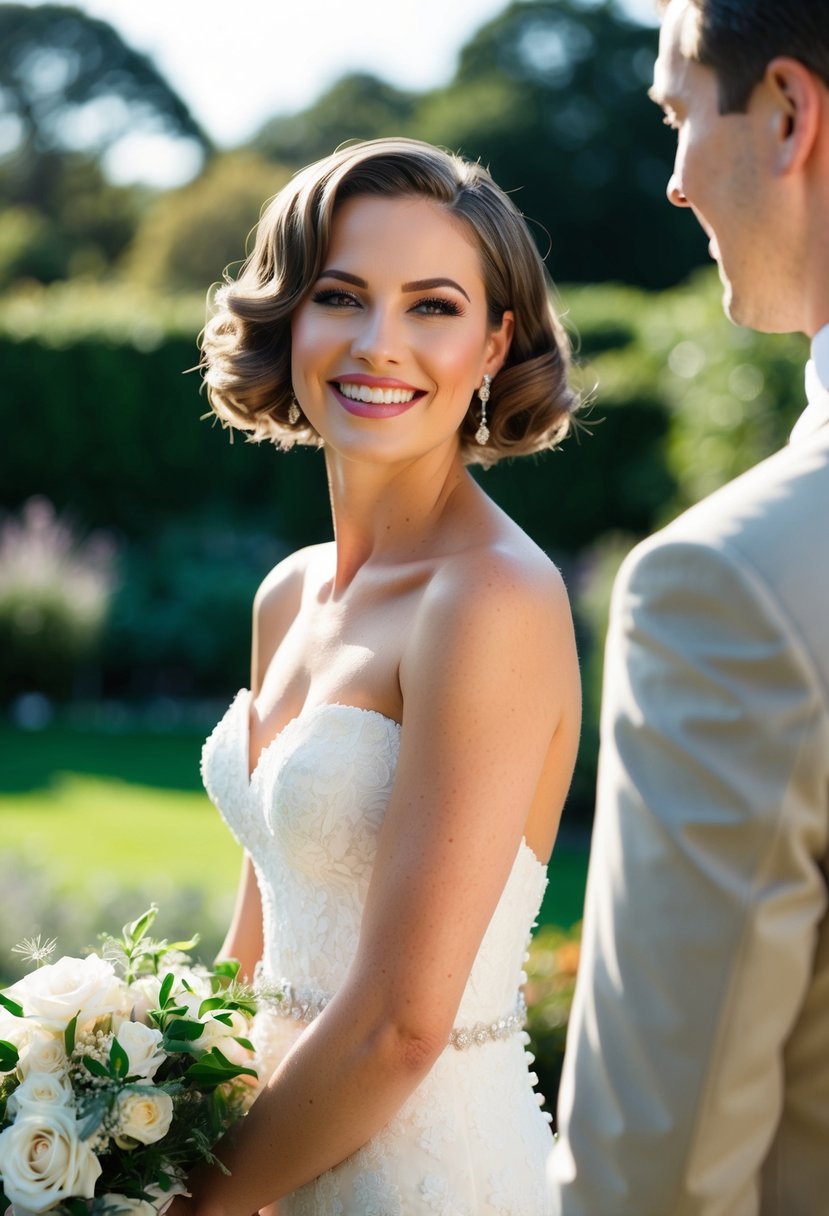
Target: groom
{"type": "Point", "coordinates": [696, 1079]}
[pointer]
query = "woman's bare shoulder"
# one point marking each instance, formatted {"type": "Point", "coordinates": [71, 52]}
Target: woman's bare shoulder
{"type": "Point", "coordinates": [280, 592]}
{"type": "Point", "coordinates": [507, 574]}
{"type": "Point", "coordinates": [498, 603]}
{"type": "Point", "coordinates": [277, 603]}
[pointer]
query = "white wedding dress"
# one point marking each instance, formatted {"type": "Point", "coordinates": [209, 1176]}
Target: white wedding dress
{"type": "Point", "coordinates": [472, 1139]}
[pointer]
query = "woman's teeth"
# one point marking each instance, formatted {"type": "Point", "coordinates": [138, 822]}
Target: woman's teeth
{"type": "Point", "coordinates": [375, 396]}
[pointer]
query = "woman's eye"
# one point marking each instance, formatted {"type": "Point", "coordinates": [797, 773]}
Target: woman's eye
{"type": "Point", "coordinates": [336, 298]}
{"type": "Point", "coordinates": [437, 307]}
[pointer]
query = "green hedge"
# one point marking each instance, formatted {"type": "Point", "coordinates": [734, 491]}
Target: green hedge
{"type": "Point", "coordinates": [99, 415]}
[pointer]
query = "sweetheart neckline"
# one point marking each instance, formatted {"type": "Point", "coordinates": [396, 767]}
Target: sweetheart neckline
{"type": "Point", "coordinates": [302, 716]}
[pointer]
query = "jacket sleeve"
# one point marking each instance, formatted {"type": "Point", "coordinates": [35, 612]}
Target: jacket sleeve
{"type": "Point", "coordinates": [704, 893]}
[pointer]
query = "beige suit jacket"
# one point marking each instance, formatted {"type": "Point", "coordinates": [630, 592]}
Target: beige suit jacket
{"type": "Point", "coordinates": [696, 1078]}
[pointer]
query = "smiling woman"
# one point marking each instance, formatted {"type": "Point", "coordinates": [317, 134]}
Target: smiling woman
{"type": "Point", "coordinates": [247, 352]}
{"type": "Point", "coordinates": [397, 770]}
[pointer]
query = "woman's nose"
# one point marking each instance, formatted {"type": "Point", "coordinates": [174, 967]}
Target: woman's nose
{"type": "Point", "coordinates": [377, 339]}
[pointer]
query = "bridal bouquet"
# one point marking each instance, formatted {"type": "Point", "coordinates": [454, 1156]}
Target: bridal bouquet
{"type": "Point", "coordinates": [118, 1073]}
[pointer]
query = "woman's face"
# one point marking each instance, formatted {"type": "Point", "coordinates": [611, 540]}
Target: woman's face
{"type": "Point", "coordinates": [393, 339]}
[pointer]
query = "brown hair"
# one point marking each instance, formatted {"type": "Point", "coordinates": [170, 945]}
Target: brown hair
{"type": "Point", "coordinates": [737, 39]}
{"type": "Point", "coordinates": [246, 346]}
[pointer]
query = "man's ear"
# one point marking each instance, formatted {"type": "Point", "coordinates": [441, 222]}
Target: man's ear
{"type": "Point", "coordinates": [796, 111]}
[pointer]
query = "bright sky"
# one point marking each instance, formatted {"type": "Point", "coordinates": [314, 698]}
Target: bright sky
{"type": "Point", "coordinates": [238, 62]}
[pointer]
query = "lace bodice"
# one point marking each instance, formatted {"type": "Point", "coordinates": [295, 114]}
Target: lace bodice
{"type": "Point", "coordinates": [309, 816]}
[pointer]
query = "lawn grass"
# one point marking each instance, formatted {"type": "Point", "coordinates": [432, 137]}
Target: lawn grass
{"type": "Point", "coordinates": [122, 808]}
{"type": "Point", "coordinates": [128, 808]}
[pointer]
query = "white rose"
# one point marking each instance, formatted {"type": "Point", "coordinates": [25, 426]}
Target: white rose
{"type": "Point", "coordinates": [43, 1052]}
{"type": "Point", "coordinates": [43, 1161]}
{"type": "Point", "coordinates": [16, 1031]}
{"type": "Point", "coordinates": [55, 993]}
{"type": "Point", "coordinates": [122, 1205]}
{"type": "Point", "coordinates": [144, 1118]}
{"type": "Point", "coordinates": [143, 994]}
{"type": "Point", "coordinates": [39, 1091]}
{"type": "Point", "coordinates": [198, 987]}
{"type": "Point", "coordinates": [143, 1046]}
{"type": "Point", "coordinates": [217, 1034]}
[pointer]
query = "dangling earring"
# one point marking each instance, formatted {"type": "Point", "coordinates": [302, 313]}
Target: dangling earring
{"type": "Point", "coordinates": [482, 433]}
{"type": "Point", "coordinates": [293, 411]}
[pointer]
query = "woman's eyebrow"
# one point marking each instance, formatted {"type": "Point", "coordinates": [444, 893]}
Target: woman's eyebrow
{"type": "Point", "coordinates": [344, 277]}
{"type": "Point", "coordinates": [430, 284]}
{"type": "Point", "coordinates": [418, 285]}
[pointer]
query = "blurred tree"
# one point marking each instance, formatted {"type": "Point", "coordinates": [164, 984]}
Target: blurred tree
{"type": "Point", "coordinates": [551, 95]}
{"type": "Point", "coordinates": [70, 90]}
{"type": "Point", "coordinates": [30, 247]}
{"type": "Point", "coordinates": [189, 236]}
{"type": "Point", "coordinates": [358, 106]}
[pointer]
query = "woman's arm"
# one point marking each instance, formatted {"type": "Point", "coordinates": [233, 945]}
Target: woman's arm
{"type": "Point", "coordinates": [244, 937]}
{"type": "Point", "coordinates": [488, 678]}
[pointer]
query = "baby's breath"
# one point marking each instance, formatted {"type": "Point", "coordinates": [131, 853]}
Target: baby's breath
{"type": "Point", "coordinates": [35, 950]}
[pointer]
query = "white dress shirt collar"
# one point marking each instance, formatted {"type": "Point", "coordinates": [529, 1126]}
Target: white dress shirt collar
{"type": "Point", "coordinates": [816, 413]}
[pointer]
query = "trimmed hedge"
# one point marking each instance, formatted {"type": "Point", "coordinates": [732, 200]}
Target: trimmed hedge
{"type": "Point", "coordinates": [99, 416]}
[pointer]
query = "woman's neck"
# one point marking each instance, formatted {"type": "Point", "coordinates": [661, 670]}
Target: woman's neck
{"type": "Point", "coordinates": [388, 513]}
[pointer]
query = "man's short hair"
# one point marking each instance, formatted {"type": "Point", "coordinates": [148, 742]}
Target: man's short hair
{"type": "Point", "coordinates": [737, 39]}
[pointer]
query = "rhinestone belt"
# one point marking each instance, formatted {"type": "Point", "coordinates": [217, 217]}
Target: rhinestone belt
{"type": "Point", "coordinates": [303, 1005]}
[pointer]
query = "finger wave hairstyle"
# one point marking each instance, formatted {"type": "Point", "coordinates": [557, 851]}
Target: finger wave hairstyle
{"type": "Point", "coordinates": [246, 345]}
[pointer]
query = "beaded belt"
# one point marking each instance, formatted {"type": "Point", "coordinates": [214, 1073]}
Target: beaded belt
{"type": "Point", "coordinates": [305, 1004]}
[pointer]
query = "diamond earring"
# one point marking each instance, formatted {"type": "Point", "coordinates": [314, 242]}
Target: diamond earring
{"type": "Point", "coordinates": [482, 433]}
{"type": "Point", "coordinates": [293, 411]}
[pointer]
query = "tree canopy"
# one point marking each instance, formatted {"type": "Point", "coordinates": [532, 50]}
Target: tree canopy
{"type": "Point", "coordinates": [70, 89]}
{"type": "Point", "coordinates": [551, 95]}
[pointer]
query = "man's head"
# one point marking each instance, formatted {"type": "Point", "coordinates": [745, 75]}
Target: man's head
{"type": "Point", "coordinates": [745, 83]}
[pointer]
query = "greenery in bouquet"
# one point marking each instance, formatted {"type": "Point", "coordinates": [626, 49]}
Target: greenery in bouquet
{"type": "Point", "coordinates": [119, 1071]}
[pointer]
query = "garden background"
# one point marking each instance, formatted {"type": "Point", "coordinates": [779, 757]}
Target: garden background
{"type": "Point", "coordinates": [134, 533]}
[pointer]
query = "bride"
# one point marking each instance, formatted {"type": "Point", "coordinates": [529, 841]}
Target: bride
{"type": "Point", "coordinates": [397, 771]}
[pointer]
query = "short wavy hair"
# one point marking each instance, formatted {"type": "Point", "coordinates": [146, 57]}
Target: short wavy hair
{"type": "Point", "coordinates": [737, 39]}
{"type": "Point", "coordinates": [246, 344]}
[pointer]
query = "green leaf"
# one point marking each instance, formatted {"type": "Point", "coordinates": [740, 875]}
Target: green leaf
{"type": "Point", "coordinates": [92, 1119]}
{"type": "Point", "coordinates": [227, 968]}
{"type": "Point", "coordinates": [9, 1056]}
{"type": "Point", "coordinates": [95, 1067]}
{"type": "Point", "coordinates": [183, 1028]}
{"type": "Point", "coordinates": [12, 1006]}
{"type": "Point", "coordinates": [119, 1061]}
{"type": "Point", "coordinates": [212, 1002]}
{"type": "Point", "coordinates": [224, 1018]}
{"type": "Point", "coordinates": [166, 989]}
{"type": "Point", "coordinates": [246, 1043]}
{"type": "Point", "coordinates": [137, 928]}
{"type": "Point", "coordinates": [214, 1068]}
{"type": "Point", "coordinates": [69, 1034]}
{"type": "Point", "coordinates": [185, 947]}
{"type": "Point", "coordinates": [75, 1207]}
{"type": "Point", "coordinates": [180, 1047]}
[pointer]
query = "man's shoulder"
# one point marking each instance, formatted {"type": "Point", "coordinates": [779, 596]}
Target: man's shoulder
{"type": "Point", "coordinates": [778, 505]}
{"type": "Point", "coordinates": [761, 539]}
